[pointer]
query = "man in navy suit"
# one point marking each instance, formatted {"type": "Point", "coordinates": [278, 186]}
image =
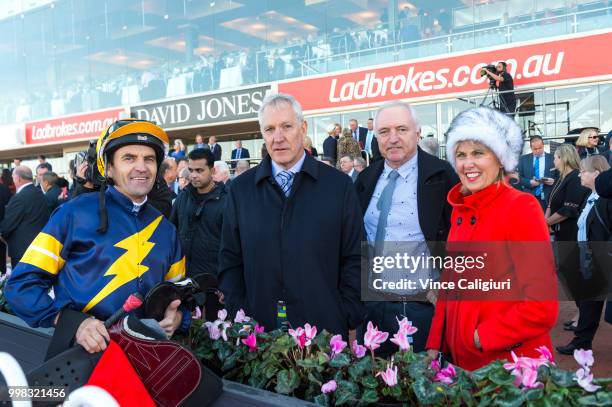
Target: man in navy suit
{"type": "Point", "coordinates": [214, 147]}
{"type": "Point", "coordinates": [370, 143]}
{"type": "Point", "coordinates": [239, 153]}
{"type": "Point", "coordinates": [25, 215]}
{"type": "Point", "coordinates": [359, 133]}
{"type": "Point", "coordinates": [536, 171]}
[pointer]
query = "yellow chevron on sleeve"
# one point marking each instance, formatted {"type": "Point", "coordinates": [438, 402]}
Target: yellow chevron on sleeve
{"type": "Point", "coordinates": [177, 271]}
{"type": "Point", "coordinates": [44, 253]}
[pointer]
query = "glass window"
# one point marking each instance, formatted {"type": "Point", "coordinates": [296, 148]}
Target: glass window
{"type": "Point", "coordinates": [605, 108]}
{"type": "Point", "coordinates": [361, 116]}
{"type": "Point", "coordinates": [428, 118]}
{"type": "Point", "coordinates": [577, 106]}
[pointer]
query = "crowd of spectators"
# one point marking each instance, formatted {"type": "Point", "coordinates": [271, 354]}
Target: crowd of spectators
{"type": "Point", "coordinates": [269, 63]}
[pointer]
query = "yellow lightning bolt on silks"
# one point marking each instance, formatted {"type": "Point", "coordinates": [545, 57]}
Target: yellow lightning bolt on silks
{"type": "Point", "coordinates": [127, 267]}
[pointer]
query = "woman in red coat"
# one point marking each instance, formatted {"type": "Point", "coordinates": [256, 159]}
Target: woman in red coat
{"type": "Point", "coordinates": [475, 329]}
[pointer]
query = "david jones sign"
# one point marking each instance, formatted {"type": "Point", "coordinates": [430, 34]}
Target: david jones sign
{"type": "Point", "coordinates": [205, 109]}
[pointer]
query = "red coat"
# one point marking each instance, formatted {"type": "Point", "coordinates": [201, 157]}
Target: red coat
{"type": "Point", "coordinates": [499, 213]}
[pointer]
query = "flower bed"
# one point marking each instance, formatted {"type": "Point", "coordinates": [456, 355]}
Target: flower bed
{"type": "Point", "coordinates": [321, 367]}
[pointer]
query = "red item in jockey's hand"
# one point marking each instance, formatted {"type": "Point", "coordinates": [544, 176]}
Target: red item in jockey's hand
{"type": "Point", "coordinates": [115, 374]}
{"type": "Point", "coordinates": [133, 301]}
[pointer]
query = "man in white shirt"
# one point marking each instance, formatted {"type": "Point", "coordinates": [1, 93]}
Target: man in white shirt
{"type": "Point", "coordinates": [403, 199]}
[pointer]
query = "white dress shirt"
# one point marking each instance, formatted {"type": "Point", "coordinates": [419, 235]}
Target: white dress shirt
{"type": "Point", "coordinates": [403, 222]}
{"type": "Point", "coordinates": [403, 233]}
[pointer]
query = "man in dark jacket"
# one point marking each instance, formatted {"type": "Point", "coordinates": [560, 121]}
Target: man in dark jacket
{"type": "Point", "coordinates": [403, 199]}
{"type": "Point", "coordinates": [51, 190]}
{"type": "Point", "coordinates": [197, 214]}
{"type": "Point", "coordinates": [536, 171]}
{"type": "Point", "coordinates": [291, 233]}
{"type": "Point", "coordinates": [239, 153]}
{"type": "Point", "coordinates": [25, 215]}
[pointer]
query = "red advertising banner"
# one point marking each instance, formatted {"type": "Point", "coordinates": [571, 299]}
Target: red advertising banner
{"type": "Point", "coordinates": [531, 64]}
{"type": "Point", "coordinates": [79, 127]}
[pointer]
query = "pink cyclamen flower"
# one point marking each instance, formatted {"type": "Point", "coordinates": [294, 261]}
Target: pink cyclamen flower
{"type": "Point", "coordinates": [241, 317]}
{"type": "Point", "coordinates": [251, 342]}
{"type": "Point", "coordinates": [358, 350]}
{"type": "Point", "coordinates": [299, 336]}
{"type": "Point", "coordinates": [311, 332]}
{"type": "Point", "coordinates": [435, 365]}
{"type": "Point", "coordinates": [446, 375]}
{"type": "Point", "coordinates": [373, 337]}
{"type": "Point", "coordinates": [406, 326]}
{"type": "Point", "coordinates": [197, 313]}
{"type": "Point", "coordinates": [524, 362]}
{"type": "Point", "coordinates": [222, 314]}
{"type": "Point", "coordinates": [584, 358]}
{"type": "Point", "coordinates": [545, 353]}
{"type": "Point", "coordinates": [259, 329]}
{"type": "Point", "coordinates": [525, 370]}
{"type": "Point", "coordinates": [527, 378]}
{"type": "Point", "coordinates": [585, 380]}
{"type": "Point", "coordinates": [401, 340]}
{"type": "Point", "coordinates": [389, 376]}
{"type": "Point", "coordinates": [224, 325]}
{"type": "Point", "coordinates": [213, 330]}
{"type": "Point", "coordinates": [329, 387]}
{"type": "Point", "coordinates": [337, 344]}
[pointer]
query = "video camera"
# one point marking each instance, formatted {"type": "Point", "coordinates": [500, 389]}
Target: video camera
{"type": "Point", "coordinates": [89, 156]}
{"type": "Point", "coordinates": [483, 72]}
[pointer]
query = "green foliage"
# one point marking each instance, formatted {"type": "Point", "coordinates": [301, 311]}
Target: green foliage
{"type": "Point", "coordinates": [280, 365]}
{"type": "Point", "coordinates": [287, 381]}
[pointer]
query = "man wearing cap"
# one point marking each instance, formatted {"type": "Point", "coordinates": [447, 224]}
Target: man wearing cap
{"type": "Point", "coordinates": [97, 249]}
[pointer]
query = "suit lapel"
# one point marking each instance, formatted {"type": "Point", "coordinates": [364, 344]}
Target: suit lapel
{"type": "Point", "coordinates": [368, 182]}
{"type": "Point", "coordinates": [530, 173]}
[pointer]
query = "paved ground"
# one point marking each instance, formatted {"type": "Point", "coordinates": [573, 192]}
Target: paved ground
{"type": "Point", "coordinates": [602, 345]}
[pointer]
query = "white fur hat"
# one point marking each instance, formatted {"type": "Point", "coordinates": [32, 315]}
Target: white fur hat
{"type": "Point", "coordinates": [487, 126]}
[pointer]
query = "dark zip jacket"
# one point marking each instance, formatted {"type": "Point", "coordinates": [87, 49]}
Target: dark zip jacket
{"type": "Point", "coordinates": [199, 227]}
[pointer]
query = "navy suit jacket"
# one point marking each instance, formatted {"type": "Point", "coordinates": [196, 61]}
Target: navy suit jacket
{"type": "Point", "coordinates": [362, 134]}
{"type": "Point", "coordinates": [244, 154]}
{"type": "Point", "coordinates": [216, 150]}
{"type": "Point", "coordinates": [526, 173]}
{"type": "Point", "coordinates": [25, 216]}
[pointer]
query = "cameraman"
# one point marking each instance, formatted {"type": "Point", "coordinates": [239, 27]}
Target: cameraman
{"type": "Point", "coordinates": [505, 85]}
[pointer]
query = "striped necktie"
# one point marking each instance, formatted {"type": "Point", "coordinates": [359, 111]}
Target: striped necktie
{"type": "Point", "coordinates": [285, 181]}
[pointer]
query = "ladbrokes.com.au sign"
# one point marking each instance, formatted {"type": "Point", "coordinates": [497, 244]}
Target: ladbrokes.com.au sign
{"type": "Point", "coordinates": [529, 65]}
{"type": "Point", "coordinates": [71, 128]}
